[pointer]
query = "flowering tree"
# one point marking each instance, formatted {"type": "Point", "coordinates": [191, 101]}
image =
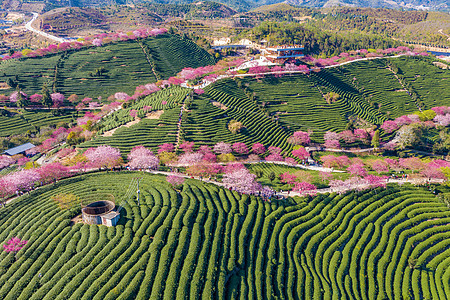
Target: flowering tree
{"type": "Point", "coordinates": [222, 148]}
{"type": "Point", "coordinates": [301, 153]}
{"type": "Point", "coordinates": [241, 181]}
{"type": "Point", "coordinates": [331, 161]}
{"type": "Point", "coordinates": [190, 158]}
{"type": "Point", "coordinates": [53, 172]}
{"type": "Point", "coordinates": [380, 166]}
{"type": "Point", "coordinates": [300, 138]}
{"type": "Point", "coordinates": [14, 245]}
{"type": "Point", "coordinates": [258, 149]}
{"type": "Point", "coordinates": [142, 158]}
{"type": "Point", "coordinates": [357, 169]}
{"type": "Point", "coordinates": [166, 148]}
{"type": "Point", "coordinates": [332, 144]}
{"type": "Point", "coordinates": [187, 146]}
{"type": "Point", "coordinates": [412, 163]}
{"type": "Point", "coordinates": [6, 161]}
{"type": "Point", "coordinates": [443, 120]}
{"type": "Point", "coordinates": [240, 148]}
{"type": "Point", "coordinates": [23, 180]}
{"type": "Point", "coordinates": [209, 157]}
{"type": "Point", "coordinates": [347, 136]}
{"type": "Point", "coordinates": [104, 156]}
{"type": "Point", "coordinates": [58, 99]}
{"type": "Point", "coordinates": [288, 178]}
{"type": "Point", "coordinates": [361, 135]}
{"type": "Point", "coordinates": [204, 169]}
{"type": "Point", "coordinates": [175, 181]}
{"type": "Point", "coordinates": [389, 126]}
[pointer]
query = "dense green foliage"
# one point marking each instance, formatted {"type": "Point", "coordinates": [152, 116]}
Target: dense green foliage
{"type": "Point", "coordinates": [125, 64]}
{"type": "Point", "coordinates": [210, 242]}
{"type": "Point", "coordinates": [315, 40]}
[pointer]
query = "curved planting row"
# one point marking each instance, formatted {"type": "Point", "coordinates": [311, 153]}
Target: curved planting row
{"type": "Point", "coordinates": [384, 89]}
{"type": "Point", "coordinates": [102, 71]}
{"type": "Point", "coordinates": [258, 126]}
{"type": "Point", "coordinates": [147, 132]}
{"type": "Point", "coordinates": [163, 100]}
{"type": "Point", "coordinates": [209, 242]}
{"type": "Point", "coordinates": [21, 123]}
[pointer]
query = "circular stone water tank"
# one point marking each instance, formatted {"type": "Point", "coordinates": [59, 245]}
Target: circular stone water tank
{"type": "Point", "coordinates": [93, 212]}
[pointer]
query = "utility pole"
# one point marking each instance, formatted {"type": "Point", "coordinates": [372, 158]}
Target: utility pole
{"type": "Point", "coordinates": [138, 192]}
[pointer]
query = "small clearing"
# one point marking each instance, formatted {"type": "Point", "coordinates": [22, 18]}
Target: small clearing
{"type": "Point", "coordinates": [154, 115]}
{"type": "Point", "coordinates": [219, 105]}
{"type": "Point", "coordinates": [4, 86]}
{"type": "Point", "coordinates": [111, 132]}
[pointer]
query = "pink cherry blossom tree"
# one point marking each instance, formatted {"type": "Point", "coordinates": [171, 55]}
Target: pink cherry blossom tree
{"type": "Point", "coordinates": [222, 148]}
{"type": "Point", "coordinates": [288, 178]}
{"type": "Point", "coordinates": [58, 99]}
{"type": "Point", "coordinates": [241, 181]}
{"type": "Point", "coordinates": [6, 161]}
{"type": "Point", "coordinates": [166, 148]}
{"type": "Point", "coordinates": [190, 158]}
{"type": "Point", "coordinates": [174, 180]}
{"type": "Point", "coordinates": [380, 166]}
{"type": "Point", "coordinates": [258, 149]}
{"type": "Point", "coordinates": [14, 245]}
{"type": "Point", "coordinates": [104, 156]}
{"type": "Point", "coordinates": [304, 187]}
{"type": "Point", "coordinates": [240, 148]}
{"type": "Point", "coordinates": [389, 126]}
{"type": "Point", "coordinates": [300, 138]}
{"type": "Point", "coordinates": [347, 136]}
{"type": "Point", "coordinates": [142, 158]}
{"type": "Point", "coordinates": [53, 172]}
{"type": "Point", "coordinates": [187, 146]}
{"type": "Point", "coordinates": [357, 169]}
{"type": "Point", "coordinates": [301, 153]}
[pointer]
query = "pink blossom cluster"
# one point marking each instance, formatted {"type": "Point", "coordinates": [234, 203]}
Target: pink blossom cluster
{"type": "Point", "coordinates": [14, 244]}
{"type": "Point", "coordinates": [300, 138]}
{"type": "Point", "coordinates": [142, 158]}
{"type": "Point", "coordinates": [94, 40]}
{"type": "Point", "coordinates": [242, 181]}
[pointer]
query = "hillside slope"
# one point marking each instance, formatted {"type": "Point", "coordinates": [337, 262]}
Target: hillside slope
{"type": "Point", "coordinates": [210, 242]}
{"type": "Point", "coordinates": [272, 108]}
{"type": "Point", "coordinates": [125, 65]}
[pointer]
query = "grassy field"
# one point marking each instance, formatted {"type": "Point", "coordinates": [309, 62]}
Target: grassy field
{"type": "Point", "coordinates": [212, 243]}
{"type": "Point", "coordinates": [125, 67]}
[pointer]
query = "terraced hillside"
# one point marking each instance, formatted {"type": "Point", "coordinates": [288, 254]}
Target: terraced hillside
{"type": "Point", "coordinates": [29, 120]}
{"type": "Point", "coordinates": [212, 243]}
{"type": "Point", "coordinates": [147, 130]}
{"type": "Point", "coordinates": [368, 90]}
{"type": "Point", "coordinates": [125, 65]}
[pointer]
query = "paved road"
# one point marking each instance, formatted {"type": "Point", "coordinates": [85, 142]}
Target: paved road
{"type": "Point", "coordinates": [44, 34]}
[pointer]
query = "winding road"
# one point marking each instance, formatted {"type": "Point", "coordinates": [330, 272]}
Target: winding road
{"type": "Point", "coordinates": [29, 27]}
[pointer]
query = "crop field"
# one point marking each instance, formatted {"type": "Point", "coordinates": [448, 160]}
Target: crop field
{"type": "Point", "coordinates": [172, 54]}
{"type": "Point", "coordinates": [368, 90]}
{"type": "Point", "coordinates": [21, 123]}
{"type": "Point", "coordinates": [209, 242]}
{"type": "Point", "coordinates": [148, 132]}
{"type": "Point", "coordinates": [125, 66]}
{"type": "Point", "coordinates": [207, 124]}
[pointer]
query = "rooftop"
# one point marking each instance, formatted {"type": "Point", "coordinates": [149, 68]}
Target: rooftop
{"type": "Point", "coordinates": [19, 149]}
